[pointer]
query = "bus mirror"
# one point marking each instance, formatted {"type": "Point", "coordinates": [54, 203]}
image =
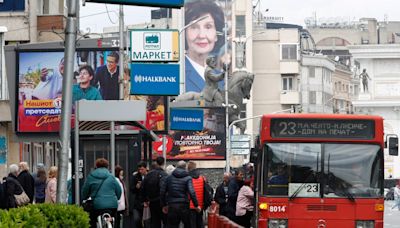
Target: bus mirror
{"type": "Point", "coordinates": [394, 146]}
{"type": "Point", "coordinates": [253, 155]}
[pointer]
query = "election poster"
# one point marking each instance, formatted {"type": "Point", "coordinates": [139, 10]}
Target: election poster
{"type": "Point", "coordinates": [40, 77]}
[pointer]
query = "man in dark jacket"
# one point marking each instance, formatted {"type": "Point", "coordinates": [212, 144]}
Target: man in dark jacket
{"type": "Point", "coordinates": [221, 194]}
{"type": "Point", "coordinates": [26, 180]}
{"type": "Point", "coordinates": [233, 190]}
{"type": "Point", "coordinates": [104, 189]}
{"type": "Point", "coordinates": [151, 192]}
{"type": "Point", "coordinates": [135, 188]}
{"type": "Point", "coordinates": [107, 77]}
{"type": "Point", "coordinates": [174, 197]}
{"type": "Point", "coordinates": [13, 187]}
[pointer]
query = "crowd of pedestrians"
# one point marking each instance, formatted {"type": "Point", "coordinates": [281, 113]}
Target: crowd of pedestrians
{"type": "Point", "coordinates": [38, 187]}
{"type": "Point", "coordinates": [157, 197]}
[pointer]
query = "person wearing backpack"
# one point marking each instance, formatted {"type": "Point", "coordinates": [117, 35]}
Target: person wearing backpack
{"type": "Point", "coordinates": [203, 194]}
{"type": "Point", "coordinates": [151, 192]}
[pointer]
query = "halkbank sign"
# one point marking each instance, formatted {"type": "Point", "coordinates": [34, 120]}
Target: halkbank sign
{"type": "Point", "coordinates": [154, 45]}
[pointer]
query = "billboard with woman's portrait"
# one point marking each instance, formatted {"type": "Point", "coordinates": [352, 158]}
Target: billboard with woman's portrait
{"type": "Point", "coordinates": [40, 75]}
{"type": "Point", "coordinates": [204, 38]}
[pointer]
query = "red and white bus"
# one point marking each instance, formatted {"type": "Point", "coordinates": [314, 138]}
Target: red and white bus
{"type": "Point", "coordinates": [319, 170]}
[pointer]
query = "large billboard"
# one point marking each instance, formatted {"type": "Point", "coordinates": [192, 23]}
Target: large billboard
{"type": "Point", "coordinates": [39, 85]}
{"type": "Point", "coordinates": [207, 144]}
{"type": "Point", "coordinates": [204, 38]}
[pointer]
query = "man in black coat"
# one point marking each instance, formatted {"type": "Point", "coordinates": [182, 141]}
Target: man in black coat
{"type": "Point", "coordinates": [13, 187]}
{"type": "Point", "coordinates": [151, 192]}
{"type": "Point", "coordinates": [26, 180]}
{"type": "Point", "coordinates": [135, 188]}
{"type": "Point", "coordinates": [221, 194]}
{"type": "Point", "coordinates": [233, 191]}
{"type": "Point", "coordinates": [175, 193]}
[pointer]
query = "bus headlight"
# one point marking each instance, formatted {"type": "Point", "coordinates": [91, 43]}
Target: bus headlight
{"type": "Point", "coordinates": [365, 224]}
{"type": "Point", "coordinates": [277, 223]}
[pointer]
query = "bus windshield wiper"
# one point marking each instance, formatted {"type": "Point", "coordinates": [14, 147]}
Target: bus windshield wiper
{"type": "Point", "coordinates": [347, 193]}
{"type": "Point", "coordinates": [304, 183]}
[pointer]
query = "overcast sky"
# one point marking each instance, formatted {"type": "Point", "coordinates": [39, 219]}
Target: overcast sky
{"type": "Point", "coordinates": [293, 11]}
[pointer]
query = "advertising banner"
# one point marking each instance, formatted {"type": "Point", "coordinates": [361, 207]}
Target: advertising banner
{"type": "Point", "coordinates": [186, 119]}
{"type": "Point", "coordinates": [160, 3]}
{"type": "Point", "coordinates": [207, 144]}
{"type": "Point", "coordinates": [204, 38]}
{"type": "Point", "coordinates": [155, 79]}
{"type": "Point", "coordinates": [154, 45]}
{"type": "Point", "coordinates": [39, 89]}
{"type": "Point", "coordinates": [3, 150]}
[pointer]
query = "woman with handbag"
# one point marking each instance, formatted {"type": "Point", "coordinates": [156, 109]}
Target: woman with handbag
{"type": "Point", "coordinates": [13, 186]}
{"type": "Point", "coordinates": [51, 188]}
{"type": "Point", "coordinates": [104, 191]}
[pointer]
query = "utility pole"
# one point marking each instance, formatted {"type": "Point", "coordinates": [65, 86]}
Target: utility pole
{"type": "Point", "coordinates": [65, 131]}
{"type": "Point", "coordinates": [227, 133]}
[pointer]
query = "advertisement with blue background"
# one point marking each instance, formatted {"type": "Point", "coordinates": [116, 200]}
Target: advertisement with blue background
{"type": "Point", "coordinates": [161, 3]}
{"type": "Point", "coordinates": [186, 119]}
{"type": "Point", "coordinates": [155, 79]}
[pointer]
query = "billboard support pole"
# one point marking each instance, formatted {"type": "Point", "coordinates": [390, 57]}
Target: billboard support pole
{"type": "Point", "coordinates": [65, 133]}
{"type": "Point", "coordinates": [164, 150]}
{"type": "Point", "coordinates": [112, 155]}
{"type": "Point", "coordinates": [121, 52]}
{"type": "Point", "coordinates": [76, 154]}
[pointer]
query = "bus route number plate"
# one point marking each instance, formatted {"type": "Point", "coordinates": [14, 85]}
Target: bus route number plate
{"type": "Point", "coordinates": [304, 189]}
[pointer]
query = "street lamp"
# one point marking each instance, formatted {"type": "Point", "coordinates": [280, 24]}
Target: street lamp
{"type": "Point", "coordinates": [240, 53]}
{"type": "Point", "coordinates": [228, 151]}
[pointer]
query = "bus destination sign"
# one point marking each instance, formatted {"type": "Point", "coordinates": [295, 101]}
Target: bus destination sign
{"type": "Point", "coordinates": [322, 128]}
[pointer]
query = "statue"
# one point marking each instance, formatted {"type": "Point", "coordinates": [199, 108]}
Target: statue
{"type": "Point", "coordinates": [211, 92]}
{"type": "Point", "coordinates": [239, 87]}
{"type": "Point", "coordinates": [364, 76]}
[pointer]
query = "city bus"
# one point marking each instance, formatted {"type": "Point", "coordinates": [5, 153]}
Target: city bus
{"type": "Point", "coordinates": [319, 170]}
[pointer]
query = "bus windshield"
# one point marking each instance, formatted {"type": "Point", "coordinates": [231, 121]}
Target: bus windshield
{"type": "Point", "coordinates": [322, 170]}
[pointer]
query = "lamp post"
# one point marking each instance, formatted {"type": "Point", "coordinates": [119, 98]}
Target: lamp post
{"type": "Point", "coordinates": [228, 152]}
{"type": "Point", "coordinates": [242, 45]}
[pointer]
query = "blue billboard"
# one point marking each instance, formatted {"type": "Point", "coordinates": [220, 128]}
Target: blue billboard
{"type": "Point", "coordinates": [160, 3]}
{"type": "Point", "coordinates": [186, 119]}
{"type": "Point", "coordinates": [155, 79]}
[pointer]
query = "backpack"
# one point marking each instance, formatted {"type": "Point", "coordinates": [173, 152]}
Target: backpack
{"type": "Point", "coordinates": [3, 195]}
{"type": "Point", "coordinates": [208, 194]}
{"type": "Point", "coordinates": [152, 184]}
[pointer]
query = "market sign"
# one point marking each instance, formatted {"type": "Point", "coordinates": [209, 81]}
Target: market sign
{"type": "Point", "coordinates": [159, 3]}
{"type": "Point", "coordinates": [186, 119]}
{"type": "Point", "coordinates": [154, 45]}
{"type": "Point", "coordinates": [155, 79]}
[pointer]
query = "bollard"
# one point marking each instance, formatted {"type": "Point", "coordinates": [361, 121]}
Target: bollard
{"type": "Point", "coordinates": [211, 220]}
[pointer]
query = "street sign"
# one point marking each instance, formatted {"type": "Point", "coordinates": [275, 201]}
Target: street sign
{"type": "Point", "coordinates": [240, 138]}
{"type": "Point", "coordinates": [159, 3]}
{"type": "Point", "coordinates": [238, 151]}
{"type": "Point", "coordinates": [154, 45]}
{"type": "Point", "coordinates": [240, 144]}
{"type": "Point", "coordinates": [158, 146]}
{"type": "Point", "coordinates": [155, 79]}
{"type": "Point", "coordinates": [186, 119]}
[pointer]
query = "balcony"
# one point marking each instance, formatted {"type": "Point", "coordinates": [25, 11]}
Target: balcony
{"type": "Point", "coordinates": [290, 97]}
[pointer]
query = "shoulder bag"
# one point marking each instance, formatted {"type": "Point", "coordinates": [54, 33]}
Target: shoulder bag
{"type": "Point", "coordinates": [88, 204]}
{"type": "Point", "coordinates": [21, 199]}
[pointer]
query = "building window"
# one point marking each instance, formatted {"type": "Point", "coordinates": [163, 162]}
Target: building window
{"type": "Point", "coordinates": [289, 52]}
{"type": "Point", "coordinates": [312, 99]}
{"type": "Point", "coordinates": [287, 82]}
{"type": "Point", "coordinates": [311, 72]}
{"type": "Point", "coordinates": [240, 26]}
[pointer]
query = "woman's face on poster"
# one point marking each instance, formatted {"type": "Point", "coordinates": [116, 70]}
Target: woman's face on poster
{"type": "Point", "coordinates": [202, 36]}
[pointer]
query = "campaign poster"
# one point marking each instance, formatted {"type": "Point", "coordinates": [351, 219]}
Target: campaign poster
{"type": "Point", "coordinates": [155, 115]}
{"type": "Point", "coordinates": [39, 90]}
{"type": "Point", "coordinates": [207, 144]}
{"type": "Point", "coordinates": [205, 37]}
